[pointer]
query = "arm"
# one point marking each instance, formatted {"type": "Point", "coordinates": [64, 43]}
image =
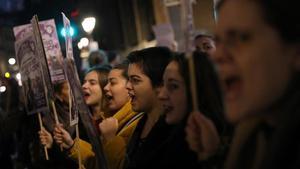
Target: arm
{"type": "Point", "coordinates": [62, 137]}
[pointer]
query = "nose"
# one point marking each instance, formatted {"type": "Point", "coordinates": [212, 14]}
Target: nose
{"type": "Point", "coordinates": [85, 85]}
{"type": "Point", "coordinates": [163, 94]}
{"type": "Point", "coordinates": [128, 85]}
{"type": "Point", "coordinates": [106, 88]}
{"type": "Point", "coordinates": [222, 54]}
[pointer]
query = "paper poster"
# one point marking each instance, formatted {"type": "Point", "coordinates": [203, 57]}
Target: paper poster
{"type": "Point", "coordinates": [169, 3]}
{"type": "Point", "coordinates": [32, 79]}
{"type": "Point", "coordinates": [51, 46]}
{"type": "Point", "coordinates": [164, 35]}
{"type": "Point", "coordinates": [74, 113]}
{"type": "Point", "coordinates": [188, 24]}
{"type": "Point", "coordinates": [83, 110]}
{"type": "Point", "coordinates": [72, 75]}
{"type": "Point", "coordinates": [41, 56]}
{"type": "Point", "coordinates": [76, 90]}
{"type": "Point", "coordinates": [77, 94]}
{"type": "Point", "coordinates": [68, 37]}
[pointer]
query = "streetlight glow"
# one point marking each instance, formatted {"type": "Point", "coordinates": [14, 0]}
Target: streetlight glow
{"type": "Point", "coordinates": [18, 76]}
{"type": "Point", "coordinates": [88, 24]}
{"type": "Point", "coordinates": [7, 75]}
{"type": "Point", "coordinates": [84, 42]}
{"type": "Point", "coordinates": [11, 61]}
{"type": "Point", "coordinates": [79, 45]}
{"type": "Point", "coordinates": [2, 89]}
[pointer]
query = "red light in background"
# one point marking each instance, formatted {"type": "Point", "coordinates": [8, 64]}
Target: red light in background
{"type": "Point", "coordinates": [75, 13]}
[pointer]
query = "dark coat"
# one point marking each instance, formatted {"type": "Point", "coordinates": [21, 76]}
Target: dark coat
{"type": "Point", "coordinates": [259, 145]}
{"type": "Point", "coordinates": [164, 147]}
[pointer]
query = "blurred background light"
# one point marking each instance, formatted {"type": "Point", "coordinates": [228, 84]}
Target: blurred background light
{"type": "Point", "coordinates": [71, 32]}
{"type": "Point", "coordinates": [12, 61]}
{"type": "Point", "coordinates": [2, 89]}
{"type": "Point", "coordinates": [7, 75]}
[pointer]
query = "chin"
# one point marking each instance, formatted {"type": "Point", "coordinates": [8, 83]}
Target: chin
{"type": "Point", "coordinates": [233, 114]}
{"type": "Point", "coordinates": [170, 120]}
{"type": "Point", "coordinates": [135, 108]}
{"type": "Point", "coordinates": [236, 114]}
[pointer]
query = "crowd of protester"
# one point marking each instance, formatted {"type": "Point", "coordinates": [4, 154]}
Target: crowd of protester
{"type": "Point", "coordinates": [243, 112]}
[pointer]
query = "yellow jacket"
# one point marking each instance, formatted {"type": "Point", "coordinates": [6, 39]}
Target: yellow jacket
{"type": "Point", "coordinates": [114, 149]}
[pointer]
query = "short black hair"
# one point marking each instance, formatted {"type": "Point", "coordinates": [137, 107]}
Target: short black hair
{"type": "Point", "coordinates": [152, 61]}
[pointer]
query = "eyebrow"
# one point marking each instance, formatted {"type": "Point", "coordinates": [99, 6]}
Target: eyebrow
{"type": "Point", "coordinates": [112, 78]}
{"type": "Point", "coordinates": [231, 33]}
{"type": "Point", "coordinates": [135, 76]}
{"type": "Point", "coordinates": [92, 80]}
{"type": "Point", "coordinates": [174, 80]}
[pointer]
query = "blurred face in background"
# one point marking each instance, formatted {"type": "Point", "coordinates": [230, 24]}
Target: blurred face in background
{"type": "Point", "coordinates": [205, 44]}
{"type": "Point", "coordinates": [255, 64]}
{"type": "Point", "coordinates": [115, 91]}
{"type": "Point", "coordinates": [92, 89]}
{"type": "Point", "coordinates": [173, 94]}
{"type": "Point", "coordinates": [64, 92]}
{"type": "Point", "coordinates": [140, 89]}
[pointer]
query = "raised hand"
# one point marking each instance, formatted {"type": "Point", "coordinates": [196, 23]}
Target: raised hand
{"type": "Point", "coordinates": [62, 137]}
{"type": "Point", "coordinates": [109, 128]}
{"type": "Point", "coordinates": [45, 138]}
{"type": "Point", "coordinates": [202, 135]}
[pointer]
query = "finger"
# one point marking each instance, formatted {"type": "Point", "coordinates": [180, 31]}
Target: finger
{"type": "Point", "coordinates": [57, 130]}
{"type": "Point", "coordinates": [204, 123]}
{"type": "Point", "coordinates": [192, 123]}
{"type": "Point", "coordinates": [199, 120]}
{"type": "Point", "coordinates": [57, 137]}
{"type": "Point", "coordinates": [58, 140]}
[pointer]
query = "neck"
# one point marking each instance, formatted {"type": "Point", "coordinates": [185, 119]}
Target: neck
{"type": "Point", "coordinates": [96, 110]}
{"type": "Point", "coordinates": [153, 116]}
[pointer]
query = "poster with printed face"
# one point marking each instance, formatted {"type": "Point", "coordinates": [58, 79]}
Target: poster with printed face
{"type": "Point", "coordinates": [72, 75]}
{"type": "Point", "coordinates": [77, 94]}
{"type": "Point", "coordinates": [74, 114]}
{"type": "Point", "coordinates": [32, 78]}
{"type": "Point", "coordinates": [51, 46]}
{"type": "Point", "coordinates": [41, 56]}
{"type": "Point", "coordinates": [76, 91]}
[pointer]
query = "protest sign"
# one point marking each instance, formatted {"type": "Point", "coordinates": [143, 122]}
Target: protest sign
{"type": "Point", "coordinates": [77, 94]}
{"type": "Point", "coordinates": [32, 79]}
{"type": "Point", "coordinates": [51, 46]}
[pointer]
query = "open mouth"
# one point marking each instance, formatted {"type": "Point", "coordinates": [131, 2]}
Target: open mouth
{"type": "Point", "coordinates": [232, 86]}
{"type": "Point", "coordinates": [132, 96]}
{"type": "Point", "coordinates": [86, 95]}
{"type": "Point", "coordinates": [108, 97]}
